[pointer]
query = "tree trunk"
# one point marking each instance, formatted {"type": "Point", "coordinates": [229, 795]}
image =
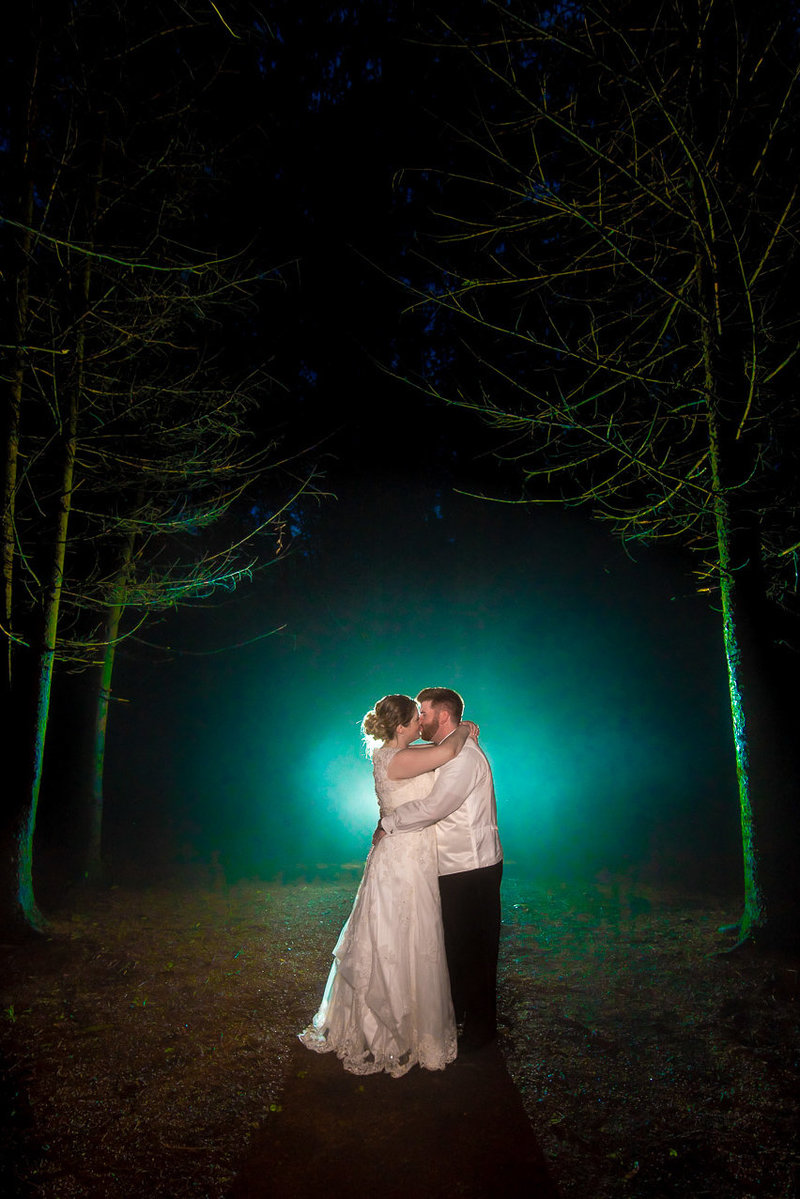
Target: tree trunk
{"type": "Point", "coordinates": [94, 852]}
{"type": "Point", "coordinates": [764, 754]}
{"type": "Point", "coordinates": [25, 911]}
{"type": "Point", "coordinates": [12, 431]}
{"type": "Point", "coordinates": [26, 826]}
{"type": "Point", "coordinates": [18, 912]}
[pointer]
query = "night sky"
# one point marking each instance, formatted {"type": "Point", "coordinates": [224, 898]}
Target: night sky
{"type": "Point", "coordinates": [598, 681]}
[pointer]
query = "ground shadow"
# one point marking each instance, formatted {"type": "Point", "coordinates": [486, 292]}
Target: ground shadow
{"type": "Point", "coordinates": [456, 1132]}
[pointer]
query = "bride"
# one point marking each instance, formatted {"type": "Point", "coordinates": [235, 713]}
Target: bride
{"type": "Point", "coordinates": [386, 1005]}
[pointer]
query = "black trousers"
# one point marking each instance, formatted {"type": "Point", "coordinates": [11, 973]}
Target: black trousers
{"type": "Point", "coordinates": [471, 919]}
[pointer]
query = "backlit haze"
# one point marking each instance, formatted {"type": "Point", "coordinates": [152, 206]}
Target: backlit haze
{"type": "Point", "coordinates": [598, 683]}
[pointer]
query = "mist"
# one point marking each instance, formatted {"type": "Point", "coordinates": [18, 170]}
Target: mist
{"type": "Point", "coordinates": [598, 683]}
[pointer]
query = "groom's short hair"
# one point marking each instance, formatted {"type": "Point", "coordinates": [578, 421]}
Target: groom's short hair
{"type": "Point", "coordinates": [443, 697]}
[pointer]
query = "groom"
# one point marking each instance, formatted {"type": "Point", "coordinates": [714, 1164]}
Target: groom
{"type": "Point", "coordinates": [462, 806]}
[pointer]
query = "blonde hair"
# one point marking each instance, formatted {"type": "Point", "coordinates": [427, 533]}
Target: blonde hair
{"type": "Point", "coordinates": [381, 722]}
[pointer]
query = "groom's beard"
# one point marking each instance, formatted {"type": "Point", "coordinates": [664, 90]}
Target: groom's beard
{"type": "Point", "coordinates": [428, 731]}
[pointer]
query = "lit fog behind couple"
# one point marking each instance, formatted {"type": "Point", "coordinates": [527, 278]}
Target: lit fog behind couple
{"type": "Point", "coordinates": [597, 681]}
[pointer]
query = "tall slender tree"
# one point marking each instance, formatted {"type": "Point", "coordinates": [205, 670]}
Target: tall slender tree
{"type": "Point", "coordinates": [621, 241]}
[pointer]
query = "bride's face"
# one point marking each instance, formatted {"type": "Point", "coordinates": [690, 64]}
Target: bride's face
{"type": "Point", "coordinates": [411, 731]}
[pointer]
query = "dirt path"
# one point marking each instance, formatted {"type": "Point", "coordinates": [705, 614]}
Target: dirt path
{"type": "Point", "coordinates": [457, 1132]}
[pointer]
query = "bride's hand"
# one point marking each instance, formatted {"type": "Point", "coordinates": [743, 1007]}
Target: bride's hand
{"type": "Point", "coordinates": [474, 730]}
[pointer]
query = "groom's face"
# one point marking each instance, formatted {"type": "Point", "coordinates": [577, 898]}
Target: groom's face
{"type": "Point", "coordinates": [429, 718]}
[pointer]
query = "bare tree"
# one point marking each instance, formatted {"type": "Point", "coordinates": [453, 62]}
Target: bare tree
{"type": "Point", "coordinates": [621, 240]}
{"type": "Point", "coordinates": [167, 461]}
{"type": "Point", "coordinates": [134, 436]}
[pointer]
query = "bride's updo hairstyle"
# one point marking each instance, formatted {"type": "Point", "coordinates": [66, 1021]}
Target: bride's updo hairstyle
{"type": "Point", "coordinates": [381, 723]}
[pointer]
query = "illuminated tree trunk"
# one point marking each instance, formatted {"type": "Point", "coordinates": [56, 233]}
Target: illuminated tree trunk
{"type": "Point", "coordinates": [764, 762]}
{"type": "Point", "coordinates": [18, 910]}
{"type": "Point", "coordinates": [755, 910]}
{"type": "Point", "coordinates": [11, 697]}
{"type": "Point", "coordinates": [27, 912]}
{"type": "Point", "coordinates": [94, 853]}
{"type": "Point", "coordinates": [44, 676]}
{"type": "Point", "coordinates": [763, 744]}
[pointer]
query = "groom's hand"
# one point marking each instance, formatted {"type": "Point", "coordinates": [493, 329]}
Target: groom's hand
{"type": "Point", "coordinates": [378, 835]}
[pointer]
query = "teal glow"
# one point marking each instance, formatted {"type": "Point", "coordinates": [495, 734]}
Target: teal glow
{"type": "Point", "coordinates": [602, 703]}
{"type": "Point", "coordinates": [339, 775]}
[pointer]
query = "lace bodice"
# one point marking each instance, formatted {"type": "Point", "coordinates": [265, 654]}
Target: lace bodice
{"type": "Point", "coordinates": [394, 792]}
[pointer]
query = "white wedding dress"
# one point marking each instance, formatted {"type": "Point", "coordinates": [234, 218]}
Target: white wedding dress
{"type": "Point", "coordinates": [387, 1002]}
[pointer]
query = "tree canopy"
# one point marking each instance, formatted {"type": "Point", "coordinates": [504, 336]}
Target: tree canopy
{"type": "Point", "coordinates": [132, 431]}
{"type": "Point", "coordinates": [619, 244]}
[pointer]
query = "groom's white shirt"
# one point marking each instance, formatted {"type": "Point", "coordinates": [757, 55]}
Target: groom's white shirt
{"type": "Point", "coordinates": [463, 808]}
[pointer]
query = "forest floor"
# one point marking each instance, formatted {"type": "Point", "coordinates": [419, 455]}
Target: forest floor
{"type": "Point", "coordinates": [150, 1036]}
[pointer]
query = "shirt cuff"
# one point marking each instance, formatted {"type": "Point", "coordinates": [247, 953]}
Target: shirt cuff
{"type": "Point", "coordinates": [388, 823]}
